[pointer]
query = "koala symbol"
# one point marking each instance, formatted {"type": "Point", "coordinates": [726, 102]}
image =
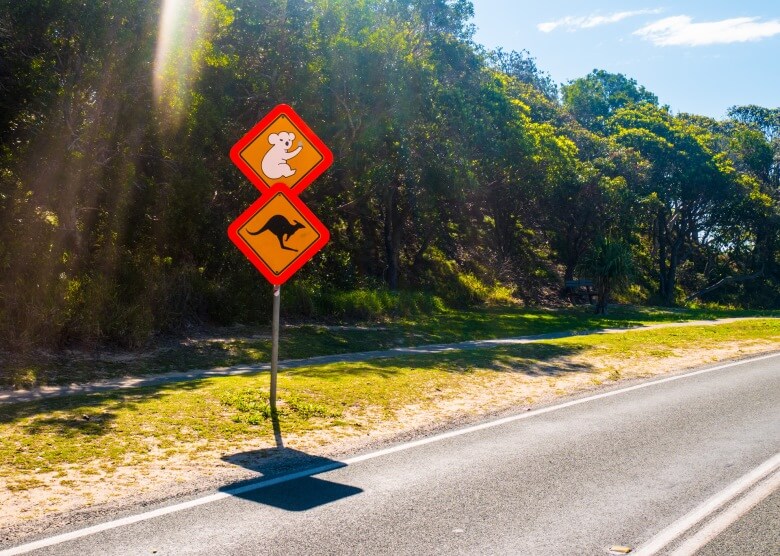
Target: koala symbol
{"type": "Point", "coordinates": [275, 160]}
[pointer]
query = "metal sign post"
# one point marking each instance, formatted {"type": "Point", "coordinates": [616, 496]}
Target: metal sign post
{"type": "Point", "coordinates": [278, 233]}
{"type": "Point", "coordinates": [275, 347]}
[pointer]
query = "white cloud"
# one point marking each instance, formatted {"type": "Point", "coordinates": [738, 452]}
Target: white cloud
{"type": "Point", "coordinates": [573, 23]}
{"type": "Point", "coordinates": [681, 31]}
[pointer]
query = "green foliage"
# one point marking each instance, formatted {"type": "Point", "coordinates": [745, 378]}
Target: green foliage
{"type": "Point", "coordinates": [459, 173]}
{"type": "Point", "coordinates": [375, 304]}
{"type": "Point", "coordinates": [594, 98]}
{"type": "Point", "coordinates": [476, 291]}
{"type": "Point", "coordinates": [610, 265]}
{"type": "Point", "coordinates": [362, 303]}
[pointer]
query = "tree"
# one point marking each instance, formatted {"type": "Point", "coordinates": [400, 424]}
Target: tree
{"type": "Point", "coordinates": [522, 66]}
{"type": "Point", "coordinates": [594, 98]}
{"type": "Point", "coordinates": [115, 191]}
{"type": "Point", "coordinates": [686, 188]}
{"type": "Point", "coordinates": [610, 265]}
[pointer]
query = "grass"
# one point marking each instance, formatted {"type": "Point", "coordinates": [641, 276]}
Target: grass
{"type": "Point", "coordinates": [253, 345]}
{"type": "Point", "coordinates": [99, 433]}
{"type": "Point", "coordinates": [660, 343]}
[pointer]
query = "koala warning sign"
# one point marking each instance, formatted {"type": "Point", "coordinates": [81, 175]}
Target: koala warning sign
{"type": "Point", "coordinates": [281, 148]}
{"type": "Point", "coordinates": [278, 234]}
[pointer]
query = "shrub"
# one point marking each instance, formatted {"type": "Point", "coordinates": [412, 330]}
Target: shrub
{"type": "Point", "coordinates": [610, 265]}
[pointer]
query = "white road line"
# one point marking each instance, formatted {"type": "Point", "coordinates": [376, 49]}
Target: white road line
{"type": "Point", "coordinates": [708, 507]}
{"type": "Point", "coordinates": [513, 418]}
{"type": "Point", "coordinates": [79, 533]}
{"type": "Point", "coordinates": [65, 537]}
{"type": "Point", "coordinates": [728, 516]}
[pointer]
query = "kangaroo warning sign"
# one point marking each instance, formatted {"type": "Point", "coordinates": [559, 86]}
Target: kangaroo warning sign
{"type": "Point", "coordinates": [278, 234]}
{"type": "Point", "coordinates": [281, 148]}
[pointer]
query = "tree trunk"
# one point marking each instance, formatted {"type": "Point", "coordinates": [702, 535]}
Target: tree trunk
{"type": "Point", "coordinates": [669, 279]}
{"type": "Point", "coordinates": [668, 259]}
{"type": "Point", "coordinates": [602, 289]}
{"type": "Point", "coordinates": [392, 236]}
{"type": "Point", "coordinates": [661, 223]}
{"type": "Point", "coordinates": [568, 273]}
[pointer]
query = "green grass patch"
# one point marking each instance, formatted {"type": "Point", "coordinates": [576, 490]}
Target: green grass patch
{"type": "Point", "coordinates": [429, 324]}
{"type": "Point", "coordinates": [663, 342]}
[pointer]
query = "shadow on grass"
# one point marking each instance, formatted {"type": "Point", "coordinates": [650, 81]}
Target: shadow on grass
{"type": "Point", "coordinates": [530, 359]}
{"type": "Point", "coordinates": [36, 369]}
{"type": "Point", "coordinates": [92, 414]}
{"type": "Point", "coordinates": [86, 425]}
{"type": "Point", "coordinates": [86, 414]}
{"type": "Point", "coordinates": [311, 340]}
{"type": "Point", "coordinates": [500, 323]}
{"type": "Point", "coordinates": [289, 481]}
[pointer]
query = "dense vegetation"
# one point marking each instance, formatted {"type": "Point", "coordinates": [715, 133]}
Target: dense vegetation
{"type": "Point", "coordinates": [459, 172]}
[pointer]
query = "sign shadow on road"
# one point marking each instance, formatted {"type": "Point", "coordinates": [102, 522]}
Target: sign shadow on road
{"type": "Point", "coordinates": [288, 481]}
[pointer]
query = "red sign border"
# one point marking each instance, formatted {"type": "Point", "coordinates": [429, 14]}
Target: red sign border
{"type": "Point", "coordinates": [260, 127]}
{"type": "Point", "coordinates": [306, 254]}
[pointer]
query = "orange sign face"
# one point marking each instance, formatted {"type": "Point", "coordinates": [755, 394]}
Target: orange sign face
{"type": "Point", "coordinates": [281, 148]}
{"type": "Point", "coordinates": [278, 234]}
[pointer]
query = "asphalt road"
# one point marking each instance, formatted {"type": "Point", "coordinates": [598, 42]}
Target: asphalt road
{"type": "Point", "coordinates": [632, 467]}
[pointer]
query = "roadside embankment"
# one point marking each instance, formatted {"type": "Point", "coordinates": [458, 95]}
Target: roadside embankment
{"type": "Point", "coordinates": [97, 451]}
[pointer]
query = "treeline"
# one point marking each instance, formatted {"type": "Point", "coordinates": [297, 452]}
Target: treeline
{"type": "Point", "coordinates": [458, 171]}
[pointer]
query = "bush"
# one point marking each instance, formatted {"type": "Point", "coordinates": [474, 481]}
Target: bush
{"type": "Point", "coordinates": [376, 304]}
{"type": "Point", "coordinates": [300, 298]}
{"type": "Point", "coordinates": [458, 287]}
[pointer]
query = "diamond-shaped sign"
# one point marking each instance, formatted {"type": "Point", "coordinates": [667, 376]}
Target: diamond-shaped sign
{"type": "Point", "coordinates": [278, 234]}
{"type": "Point", "coordinates": [281, 148]}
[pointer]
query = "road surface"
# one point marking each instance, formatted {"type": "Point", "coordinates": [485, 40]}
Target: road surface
{"type": "Point", "coordinates": [689, 463]}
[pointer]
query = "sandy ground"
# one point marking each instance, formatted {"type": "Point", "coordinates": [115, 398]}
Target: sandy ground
{"type": "Point", "coordinates": [79, 495]}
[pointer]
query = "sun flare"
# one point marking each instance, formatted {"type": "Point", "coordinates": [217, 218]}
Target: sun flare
{"type": "Point", "coordinates": [183, 29]}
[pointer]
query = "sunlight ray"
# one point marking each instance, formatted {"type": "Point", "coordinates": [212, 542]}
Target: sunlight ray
{"type": "Point", "coordinates": [179, 56]}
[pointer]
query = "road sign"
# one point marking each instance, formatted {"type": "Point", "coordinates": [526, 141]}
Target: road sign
{"type": "Point", "coordinates": [281, 148]}
{"type": "Point", "coordinates": [281, 156]}
{"type": "Point", "coordinates": [278, 234]}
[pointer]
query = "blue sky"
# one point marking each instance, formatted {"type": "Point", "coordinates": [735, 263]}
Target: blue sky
{"type": "Point", "coordinates": [697, 56]}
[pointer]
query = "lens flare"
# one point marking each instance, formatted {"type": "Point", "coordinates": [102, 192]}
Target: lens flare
{"type": "Point", "coordinates": [181, 44]}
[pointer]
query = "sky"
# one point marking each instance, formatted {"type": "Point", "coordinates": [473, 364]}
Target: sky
{"type": "Point", "coordinates": [699, 57]}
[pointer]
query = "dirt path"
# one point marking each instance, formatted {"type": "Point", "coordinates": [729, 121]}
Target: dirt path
{"type": "Point", "coordinates": [13, 396]}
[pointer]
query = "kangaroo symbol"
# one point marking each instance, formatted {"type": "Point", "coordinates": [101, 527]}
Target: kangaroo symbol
{"type": "Point", "coordinates": [281, 228]}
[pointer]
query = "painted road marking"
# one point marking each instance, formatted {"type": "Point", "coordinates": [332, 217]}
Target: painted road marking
{"type": "Point", "coordinates": [79, 533]}
{"type": "Point", "coordinates": [729, 516]}
{"type": "Point", "coordinates": [712, 505]}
